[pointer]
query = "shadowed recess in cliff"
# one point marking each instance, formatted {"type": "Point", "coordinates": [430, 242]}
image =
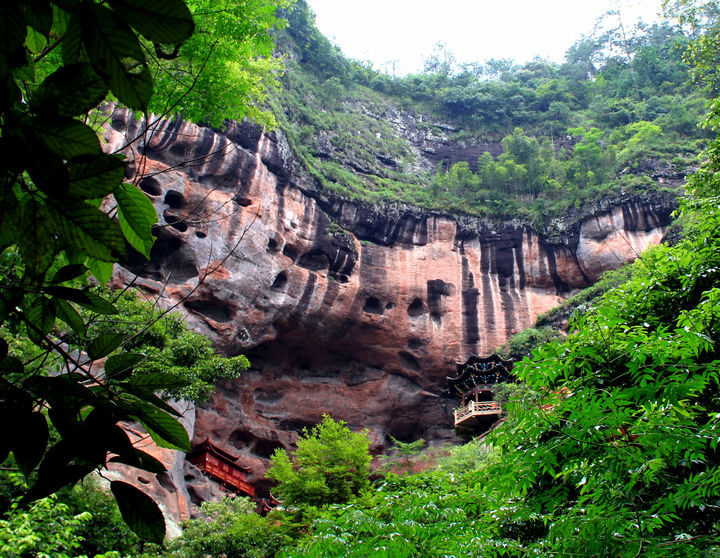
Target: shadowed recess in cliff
{"type": "Point", "coordinates": [208, 305]}
{"type": "Point", "coordinates": [560, 285]}
{"type": "Point", "coordinates": [470, 296]}
{"type": "Point", "coordinates": [171, 260]}
{"type": "Point", "coordinates": [436, 289]}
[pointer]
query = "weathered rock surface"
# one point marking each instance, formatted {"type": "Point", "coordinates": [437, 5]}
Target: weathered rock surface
{"type": "Point", "coordinates": [344, 308]}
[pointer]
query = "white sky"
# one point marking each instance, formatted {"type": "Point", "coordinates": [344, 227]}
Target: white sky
{"type": "Point", "coordinates": [473, 30]}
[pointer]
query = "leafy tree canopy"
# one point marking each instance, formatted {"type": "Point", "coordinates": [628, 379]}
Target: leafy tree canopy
{"type": "Point", "coordinates": [331, 464]}
{"type": "Point", "coordinates": [66, 210]}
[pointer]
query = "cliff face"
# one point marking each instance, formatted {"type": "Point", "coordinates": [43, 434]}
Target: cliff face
{"type": "Point", "coordinates": [342, 307]}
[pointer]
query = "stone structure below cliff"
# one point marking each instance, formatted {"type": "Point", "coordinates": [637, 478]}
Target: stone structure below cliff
{"type": "Point", "coordinates": [342, 307]}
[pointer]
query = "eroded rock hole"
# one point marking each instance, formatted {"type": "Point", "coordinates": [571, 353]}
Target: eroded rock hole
{"type": "Point", "coordinates": [373, 306]}
{"type": "Point", "coordinates": [435, 317]}
{"type": "Point", "coordinates": [291, 252]}
{"type": "Point", "coordinates": [174, 199]}
{"type": "Point", "coordinates": [280, 280]}
{"type": "Point", "coordinates": [179, 151]}
{"type": "Point", "coordinates": [118, 124]}
{"type": "Point", "coordinates": [265, 448]}
{"type": "Point", "coordinates": [265, 396]}
{"type": "Point", "coordinates": [150, 186]}
{"type": "Point", "coordinates": [409, 361]}
{"type": "Point", "coordinates": [175, 222]}
{"type": "Point", "coordinates": [314, 261]}
{"type": "Point", "coordinates": [243, 202]}
{"type": "Point", "coordinates": [241, 439]}
{"type": "Point", "coordinates": [200, 234]}
{"type": "Point", "coordinates": [414, 344]}
{"type": "Point", "coordinates": [273, 245]}
{"type": "Point", "coordinates": [389, 306]}
{"type": "Point", "coordinates": [213, 309]}
{"type": "Point", "coordinates": [416, 308]}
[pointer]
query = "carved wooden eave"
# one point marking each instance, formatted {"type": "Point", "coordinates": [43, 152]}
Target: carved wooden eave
{"type": "Point", "coordinates": [222, 467]}
{"type": "Point", "coordinates": [480, 372]}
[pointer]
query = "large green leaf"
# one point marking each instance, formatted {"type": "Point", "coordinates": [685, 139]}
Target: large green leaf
{"type": "Point", "coordinates": [166, 430]}
{"type": "Point", "coordinates": [10, 217]}
{"type": "Point", "coordinates": [72, 46]}
{"type": "Point", "coordinates": [139, 511]}
{"type": "Point", "coordinates": [104, 344]}
{"type": "Point", "coordinates": [136, 215]}
{"type": "Point", "coordinates": [41, 318]}
{"type": "Point", "coordinates": [48, 170]}
{"type": "Point", "coordinates": [68, 273]}
{"type": "Point", "coordinates": [70, 91]}
{"type": "Point", "coordinates": [71, 317]}
{"type": "Point", "coordinates": [65, 136]}
{"type": "Point", "coordinates": [90, 230]}
{"type": "Point", "coordinates": [156, 381]}
{"type": "Point", "coordinates": [122, 362]}
{"type": "Point", "coordinates": [30, 438]}
{"type": "Point", "coordinates": [86, 299]}
{"type": "Point", "coordinates": [95, 176]}
{"type": "Point", "coordinates": [102, 271]}
{"type": "Point", "coordinates": [57, 469]}
{"type": "Point", "coordinates": [149, 396]}
{"type": "Point", "coordinates": [36, 240]}
{"type": "Point", "coordinates": [141, 460]}
{"type": "Point", "coordinates": [35, 41]}
{"type": "Point", "coordinates": [161, 21]}
{"type": "Point", "coordinates": [115, 53]}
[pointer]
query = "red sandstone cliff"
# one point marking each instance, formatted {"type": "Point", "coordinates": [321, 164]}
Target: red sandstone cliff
{"type": "Point", "coordinates": [342, 307]}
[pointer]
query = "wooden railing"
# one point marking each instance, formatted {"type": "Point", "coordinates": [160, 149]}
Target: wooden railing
{"type": "Point", "coordinates": [227, 477]}
{"type": "Point", "coordinates": [476, 408]}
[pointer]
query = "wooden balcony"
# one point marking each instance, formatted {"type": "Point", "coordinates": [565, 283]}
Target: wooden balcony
{"type": "Point", "coordinates": [229, 479]}
{"type": "Point", "coordinates": [476, 409]}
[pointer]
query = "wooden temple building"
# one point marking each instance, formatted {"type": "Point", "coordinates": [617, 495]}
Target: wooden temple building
{"type": "Point", "coordinates": [475, 387]}
{"type": "Point", "coordinates": [222, 467]}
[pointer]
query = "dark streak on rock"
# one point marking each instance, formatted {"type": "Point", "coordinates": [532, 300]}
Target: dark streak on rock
{"type": "Point", "coordinates": [470, 297]}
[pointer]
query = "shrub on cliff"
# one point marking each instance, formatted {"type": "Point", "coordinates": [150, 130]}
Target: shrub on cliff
{"type": "Point", "coordinates": [331, 465]}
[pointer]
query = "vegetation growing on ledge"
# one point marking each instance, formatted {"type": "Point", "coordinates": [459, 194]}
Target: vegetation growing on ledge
{"type": "Point", "coordinates": [618, 116]}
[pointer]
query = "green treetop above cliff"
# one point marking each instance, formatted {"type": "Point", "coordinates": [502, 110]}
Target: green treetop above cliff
{"type": "Point", "coordinates": [532, 140]}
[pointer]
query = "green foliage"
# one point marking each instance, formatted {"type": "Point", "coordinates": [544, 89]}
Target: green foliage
{"type": "Point", "coordinates": [523, 343]}
{"type": "Point", "coordinates": [331, 465]}
{"type": "Point", "coordinates": [610, 447]}
{"type": "Point", "coordinates": [626, 116]}
{"type": "Point", "coordinates": [225, 70]}
{"type": "Point", "coordinates": [163, 352]}
{"type": "Point", "coordinates": [230, 527]}
{"type": "Point", "coordinates": [580, 302]}
{"type": "Point", "coordinates": [430, 514]}
{"type": "Point", "coordinates": [65, 211]}
{"type": "Point", "coordinates": [465, 458]}
{"type": "Point", "coordinates": [46, 528]}
{"type": "Point", "coordinates": [105, 531]}
{"type": "Point", "coordinates": [402, 456]}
